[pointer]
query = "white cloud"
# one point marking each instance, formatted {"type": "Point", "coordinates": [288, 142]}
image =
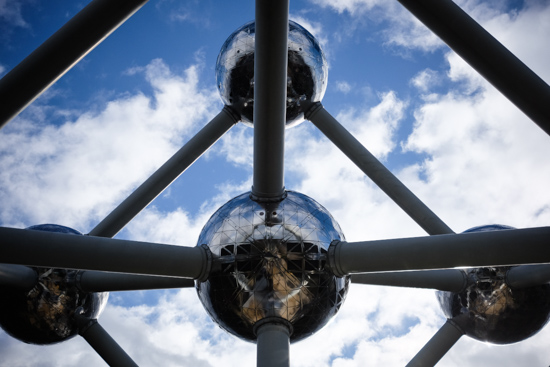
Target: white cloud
{"type": "Point", "coordinates": [425, 80]}
{"type": "Point", "coordinates": [343, 87]}
{"type": "Point", "coordinates": [10, 13]}
{"type": "Point", "coordinates": [105, 148]}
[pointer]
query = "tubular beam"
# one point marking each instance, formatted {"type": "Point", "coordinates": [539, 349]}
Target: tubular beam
{"type": "Point", "coordinates": [166, 174]}
{"type": "Point", "coordinates": [476, 249]}
{"type": "Point", "coordinates": [104, 344]}
{"type": "Point", "coordinates": [61, 52]}
{"type": "Point", "coordinates": [487, 56]}
{"type": "Point", "coordinates": [273, 344]}
{"type": "Point", "coordinates": [98, 281]}
{"type": "Point", "coordinates": [270, 84]}
{"type": "Point", "coordinates": [17, 276]}
{"type": "Point", "coordinates": [451, 280]}
{"type": "Point", "coordinates": [438, 346]}
{"type": "Point", "coordinates": [528, 276]}
{"type": "Point", "coordinates": [376, 171]}
{"type": "Point", "coordinates": [60, 250]}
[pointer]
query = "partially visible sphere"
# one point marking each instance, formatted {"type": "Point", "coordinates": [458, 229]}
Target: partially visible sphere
{"type": "Point", "coordinates": [307, 72]}
{"type": "Point", "coordinates": [490, 311]}
{"type": "Point", "coordinates": [270, 260]}
{"type": "Point", "coordinates": [45, 314]}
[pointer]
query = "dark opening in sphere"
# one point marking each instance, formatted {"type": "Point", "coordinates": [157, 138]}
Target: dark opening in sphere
{"type": "Point", "coordinates": [489, 310]}
{"type": "Point", "coordinates": [269, 260]}
{"type": "Point", "coordinates": [45, 313]}
{"type": "Point", "coordinates": [307, 72]}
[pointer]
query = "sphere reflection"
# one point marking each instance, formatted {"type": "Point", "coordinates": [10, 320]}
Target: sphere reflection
{"type": "Point", "coordinates": [45, 313]}
{"type": "Point", "coordinates": [307, 72]}
{"type": "Point", "coordinates": [269, 261]}
{"type": "Point", "coordinates": [489, 310]}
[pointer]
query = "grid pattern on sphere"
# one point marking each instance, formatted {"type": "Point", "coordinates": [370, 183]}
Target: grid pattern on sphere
{"type": "Point", "coordinates": [269, 261]}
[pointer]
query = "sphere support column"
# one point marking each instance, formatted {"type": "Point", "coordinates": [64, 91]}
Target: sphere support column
{"type": "Point", "coordinates": [270, 86]}
{"type": "Point", "coordinates": [273, 343]}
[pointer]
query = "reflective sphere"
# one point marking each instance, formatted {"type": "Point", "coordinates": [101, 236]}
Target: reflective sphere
{"type": "Point", "coordinates": [307, 72]}
{"type": "Point", "coordinates": [269, 260]}
{"type": "Point", "coordinates": [489, 310]}
{"type": "Point", "coordinates": [45, 314]}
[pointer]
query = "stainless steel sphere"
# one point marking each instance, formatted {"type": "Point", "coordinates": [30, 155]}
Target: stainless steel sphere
{"type": "Point", "coordinates": [490, 311]}
{"type": "Point", "coordinates": [307, 72]}
{"type": "Point", "coordinates": [269, 260]}
{"type": "Point", "coordinates": [45, 313]}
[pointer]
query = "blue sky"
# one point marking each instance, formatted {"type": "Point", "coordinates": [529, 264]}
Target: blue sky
{"type": "Point", "coordinates": [97, 133]}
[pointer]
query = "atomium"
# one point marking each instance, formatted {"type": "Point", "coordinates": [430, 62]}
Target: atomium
{"type": "Point", "coordinates": [489, 310]}
{"type": "Point", "coordinates": [269, 261]}
{"type": "Point", "coordinates": [273, 259]}
{"type": "Point", "coordinates": [45, 314]}
{"type": "Point", "coordinates": [306, 74]}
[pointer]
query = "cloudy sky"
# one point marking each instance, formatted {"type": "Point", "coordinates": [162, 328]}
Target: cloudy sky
{"type": "Point", "coordinates": [87, 142]}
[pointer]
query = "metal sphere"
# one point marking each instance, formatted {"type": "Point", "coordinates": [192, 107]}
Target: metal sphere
{"type": "Point", "coordinates": [307, 72]}
{"type": "Point", "coordinates": [490, 311]}
{"type": "Point", "coordinates": [45, 313]}
{"type": "Point", "coordinates": [270, 260]}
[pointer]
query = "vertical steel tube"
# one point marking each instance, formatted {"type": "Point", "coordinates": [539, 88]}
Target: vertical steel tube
{"type": "Point", "coordinates": [528, 276]}
{"type": "Point", "coordinates": [376, 171]}
{"type": "Point", "coordinates": [61, 52]}
{"type": "Point", "coordinates": [270, 83]}
{"type": "Point", "coordinates": [438, 346]}
{"type": "Point", "coordinates": [103, 343]}
{"type": "Point", "coordinates": [166, 174]}
{"type": "Point", "coordinates": [487, 56]}
{"type": "Point", "coordinates": [451, 280]}
{"type": "Point", "coordinates": [19, 276]}
{"type": "Point", "coordinates": [273, 344]}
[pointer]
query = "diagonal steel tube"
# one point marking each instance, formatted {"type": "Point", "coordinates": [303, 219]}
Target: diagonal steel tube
{"type": "Point", "coordinates": [437, 346]}
{"type": "Point", "coordinates": [17, 276]}
{"type": "Point", "coordinates": [166, 174]}
{"type": "Point", "coordinates": [98, 281]}
{"type": "Point", "coordinates": [475, 249]}
{"type": "Point", "coordinates": [103, 343]}
{"type": "Point", "coordinates": [59, 53]}
{"type": "Point", "coordinates": [60, 250]}
{"type": "Point", "coordinates": [487, 56]}
{"type": "Point", "coordinates": [451, 280]}
{"type": "Point", "coordinates": [376, 171]}
{"type": "Point", "coordinates": [270, 83]}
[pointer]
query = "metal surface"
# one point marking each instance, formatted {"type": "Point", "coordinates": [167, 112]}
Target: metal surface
{"type": "Point", "coordinates": [490, 311]}
{"type": "Point", "coordinates": [166, 174]}
{"type": "Point", "coordinates": [438, 346]}
{"type": "Point", "coordinates": [97, 281]}
{"type": "Point", "coordinates": [61, 52]}
{"type": "Point", "coordinates": [103, 343]}
{"type": "Point", "coordinates": [17, 276]}
{"type": "Point", "coordinates": [452, 280]}
{"type": "Point", "coordinates": [270, 84]}
{"type": "Point", "coordinates": [44, 314]}
{"type": "Point", "coordinates": [273, 346]}
{"type": "Point", "coordinates": [528, 276]}
{"type": "Point", "coordinates": [59, 250]}
{"type": "Point", "coordinates": [376, 171]}
{"type": "Point", "coordinates": [307, 72]}
{"type": "Point", "coordinates": [487, 56]}
{"type": "Point", "coordinates": [269, 261]}
{"type": "Point", "coordinates": [499, 248]}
